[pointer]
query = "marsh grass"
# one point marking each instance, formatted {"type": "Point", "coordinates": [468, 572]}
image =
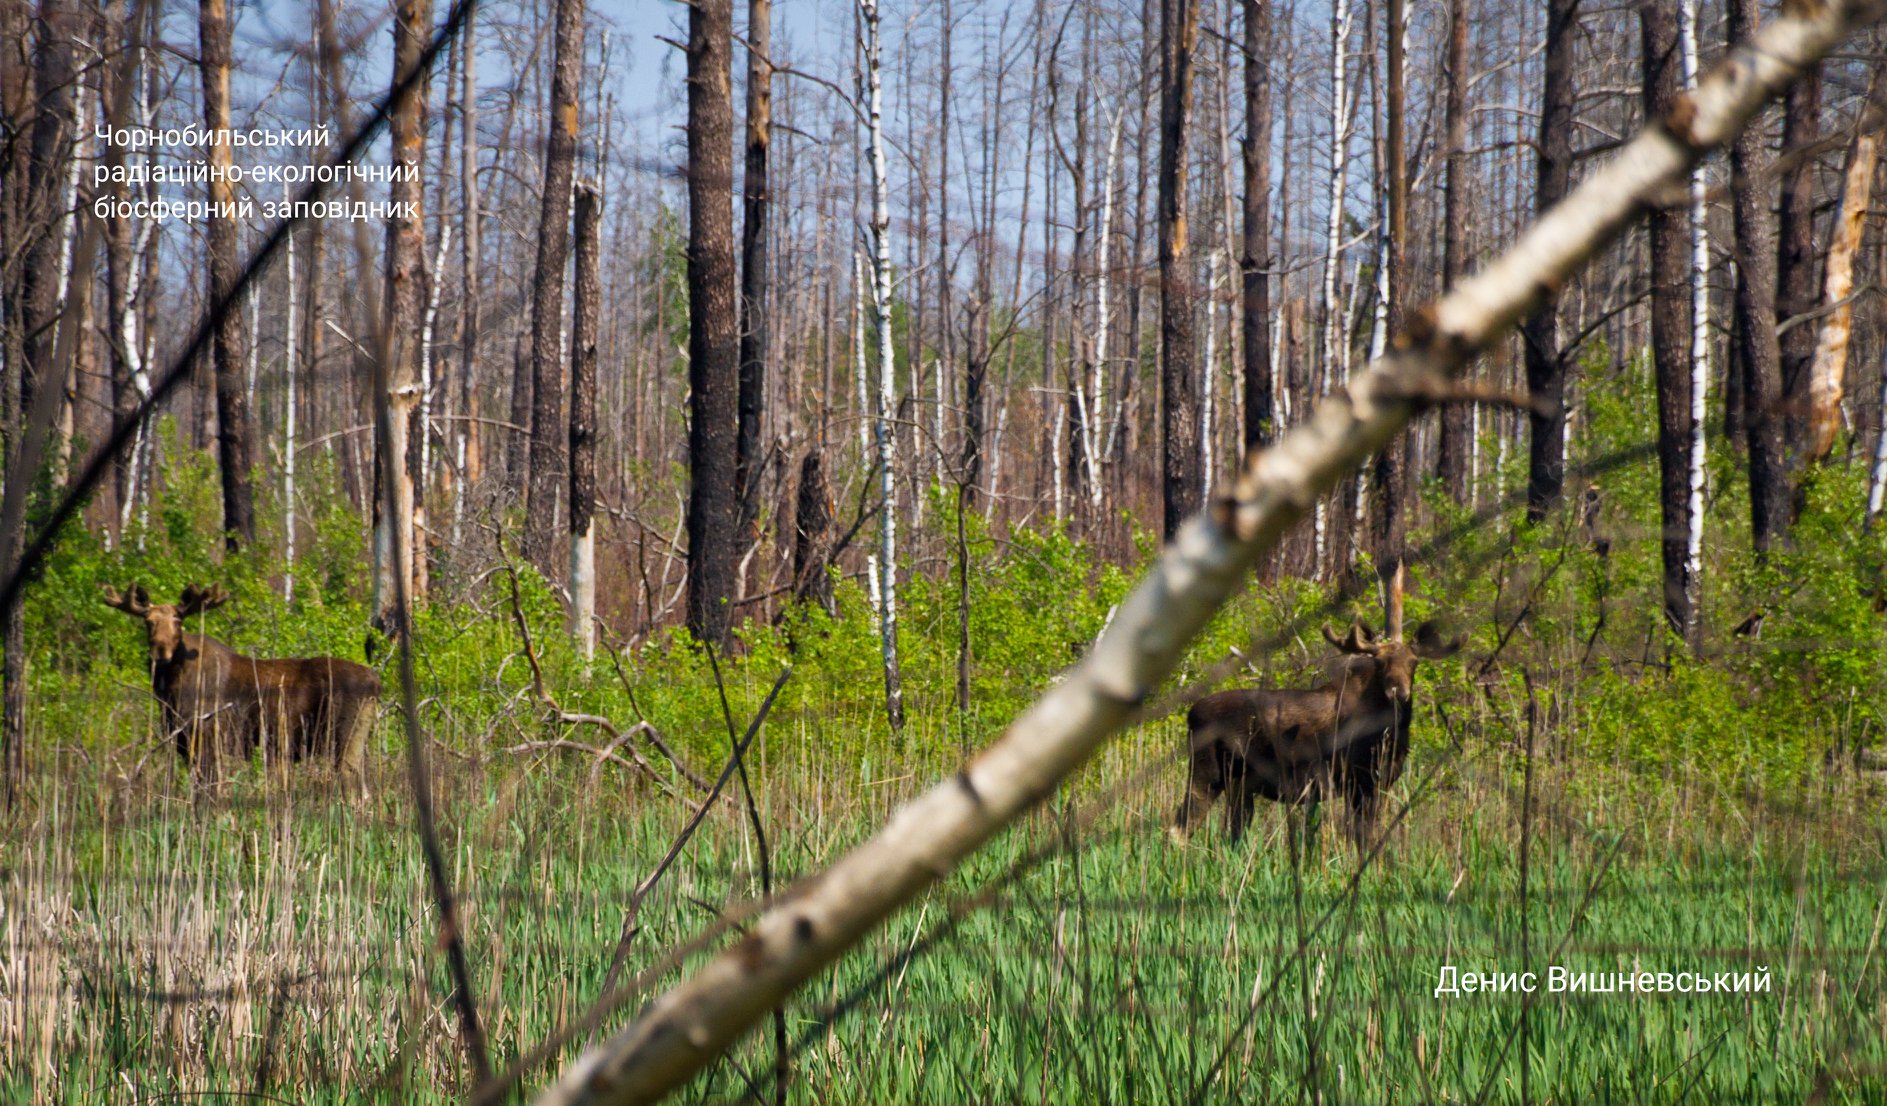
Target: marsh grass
{"type": "Point", "coordinates": [283, 945]}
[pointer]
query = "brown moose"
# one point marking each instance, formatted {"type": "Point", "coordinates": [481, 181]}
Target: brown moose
{"type": "Point", "coordinates": [219, 703]}
{"type": "Point", "coordinates": [1348, 738]}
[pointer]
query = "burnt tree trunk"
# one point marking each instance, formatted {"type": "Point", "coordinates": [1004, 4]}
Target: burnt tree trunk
{"type": "Point", "coordinates": [713, 332]}
{"type": "Point", "coordinates": [396, 497]}
{"type": "Point", "coordinates": [1670, 329]}
{"type": "Point", "coordinates": [583, 341]}
{"type": "Point", "coordinates": [812, 516]}
{"type": "Point", "coordinates": [1798, 285]}
{"type": "Point", "coordinates": [753, 264]}
{"type": "Point", "coordinates": [1260, 404]}
{"type": "Point", "coordinates": [1179, 385]}
{"type": "Point", "coordinates": [553, 253]}
{"type": "Point", "coordinates": [1755, 325]}
{"type": "Point", "coordinates": [1457, 426]}
{"type": "Point", "coordinates": [1546, 362]}
{"type": "Point", "coordinates": [1392, 461]}
{"type": "Point", "coordinates": [226, 347]}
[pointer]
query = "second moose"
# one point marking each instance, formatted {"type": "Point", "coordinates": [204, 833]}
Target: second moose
{"type": "Point", "coordinates": [1347, 739]}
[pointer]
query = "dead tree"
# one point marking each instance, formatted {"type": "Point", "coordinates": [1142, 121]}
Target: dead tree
{"type": "Point", "coordinates": [1670, 328]}
{"type": "Point", "coordinates": [226, 348]}
{"type": "Point", "coordinates": [1546, 361]}
{"type": "Point", "coordinates": [1755, 316]}
{"type": "Point", "coordinates": [553, 253]}
{"type": "Point", "coordinates": [755, 200]}
{"type": "Point", "coordinates": [397, 500]}
{"type": "Point", "coordinates": [1457, 426]}
{"type": "Point", "coordinates": [1255, 265]}
{"type": "Point", "coordinates": [713, 329]}
{"type": "Point", "coordinates": [583, 342]}
{"type": "Point", "coordinates": [1179, 387]}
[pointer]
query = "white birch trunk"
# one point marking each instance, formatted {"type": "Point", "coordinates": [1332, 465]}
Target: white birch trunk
{"type": "Point", "coordinates": [1700, 330]}
{"type": "Point", "coordinates": [426, 332]}
{"type": "Point", "coordinates": [1099, 437]}
{"type": "Point", "coordinates": [1335, 342]}
{"type": "Point", "coordinates": [887, 367]}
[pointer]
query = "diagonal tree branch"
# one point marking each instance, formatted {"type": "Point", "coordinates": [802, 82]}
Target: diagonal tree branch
{"type": "Point", "coordinates": [818, 921]}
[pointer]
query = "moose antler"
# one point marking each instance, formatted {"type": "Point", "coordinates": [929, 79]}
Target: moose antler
{"type": "Point", "coordinates": [1429, 643]}
{"type": "Point", "coordinates": [198, 598]}
{"type": "Point", "coordinates": [133, 601]}
{"type": "Point", "coordinates": [1358, 641]}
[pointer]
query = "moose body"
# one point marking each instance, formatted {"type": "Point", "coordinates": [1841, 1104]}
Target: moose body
{"type": "Point", "coordinates": [218, 703]}
{"type": "Point", "coordinates": [1347, 739]}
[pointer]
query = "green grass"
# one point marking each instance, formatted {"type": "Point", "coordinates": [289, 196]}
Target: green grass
{"type": "Point", "coordinates": [157, 953]}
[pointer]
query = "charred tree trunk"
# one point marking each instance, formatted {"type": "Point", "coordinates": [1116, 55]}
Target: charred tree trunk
{"type": "Point", "coordinates": [812, 517]}
{"type": "Point", "coordinates": [1756, 316]}
{"type": "Point", "coordinates": [553, 253]}
{"type": "Point", "coordinates": [1797, 284]}
{"type": "Point", "coordinates": [1546, 362]}
{"type": "Point", "coordinates": [1179, 386]}
{"type": "Point", "coordinates": [754, 330]}
{"type": "Point", "coordinates": [226, 348]}
{"type": "Point", "coordinates": [1392, 461]}
{"type": "Point", "coordinates": [583, 342]}
{"type": "Point", "coordinates": [713, 331]}
{"type": "Point", "coordinates": [1260, 404]}
{"type": "Point", "coordinates": [1670, 330]}
{"type": "Point", "coordinates": [35, 229]}
{"type": "Point", "coordinates": [1456, 419]}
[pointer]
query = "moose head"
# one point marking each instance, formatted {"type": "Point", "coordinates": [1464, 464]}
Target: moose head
{"type": "Point", "coordinates": [1394, 658]}
{"type": "Point", "coordinates": [163, 622]}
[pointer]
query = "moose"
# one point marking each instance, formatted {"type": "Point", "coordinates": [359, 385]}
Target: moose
{"type": "Point", "coordinates": [1348, 738]}
{"type": "Point", "coordinates": [218, 703]}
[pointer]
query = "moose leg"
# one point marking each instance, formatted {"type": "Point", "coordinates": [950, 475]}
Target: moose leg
{"type": "Point", "coordinates": [1239, 798]}
{"type": "Point", "coordinates": [1364, 804]}
{"type": "Point", "coordinates": [1205, 782]}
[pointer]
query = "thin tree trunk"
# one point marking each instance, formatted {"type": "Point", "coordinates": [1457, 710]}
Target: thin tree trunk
{"type": "Point", "coordinates": [464, 430]}
{"type": "Point", "coordinates": [232, 407]}
{"type": "Point", "coordinates": [887, 366]}
{"type": "Point", "coordinates": [547, 295]}
{"type": "Point", "coordinates": [1456, 419]}
{"type": "Point", "coordinates": [1336, 339]}
{"type": "Point", "coordinates": [1393, 461]}
{"type": "Point", "coordinates": [583, 343]}
{"type": "Point", "coordinates": [1670, 330]}
{"type": "Point", "coordinates": [1755, 316]}
{"type": "Point", "coordinates": [1546, 362]}
{"type": "Point", "coordinates": [1255, 264]}
{"type": "Point", "coordinates": [397, 496]}
{"type": "Point", "coordinates": [1700, 335]}
{"type": "Point", "coordinates": [754, 329]}
{"type": "Point", "coordinates": [1797, 290]}
{"type": "Point", "coordinates": [1179, 399]}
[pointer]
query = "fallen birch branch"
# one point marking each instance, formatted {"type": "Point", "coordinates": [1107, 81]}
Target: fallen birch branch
{"type": "Point", "coordinates": [819, 919]}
